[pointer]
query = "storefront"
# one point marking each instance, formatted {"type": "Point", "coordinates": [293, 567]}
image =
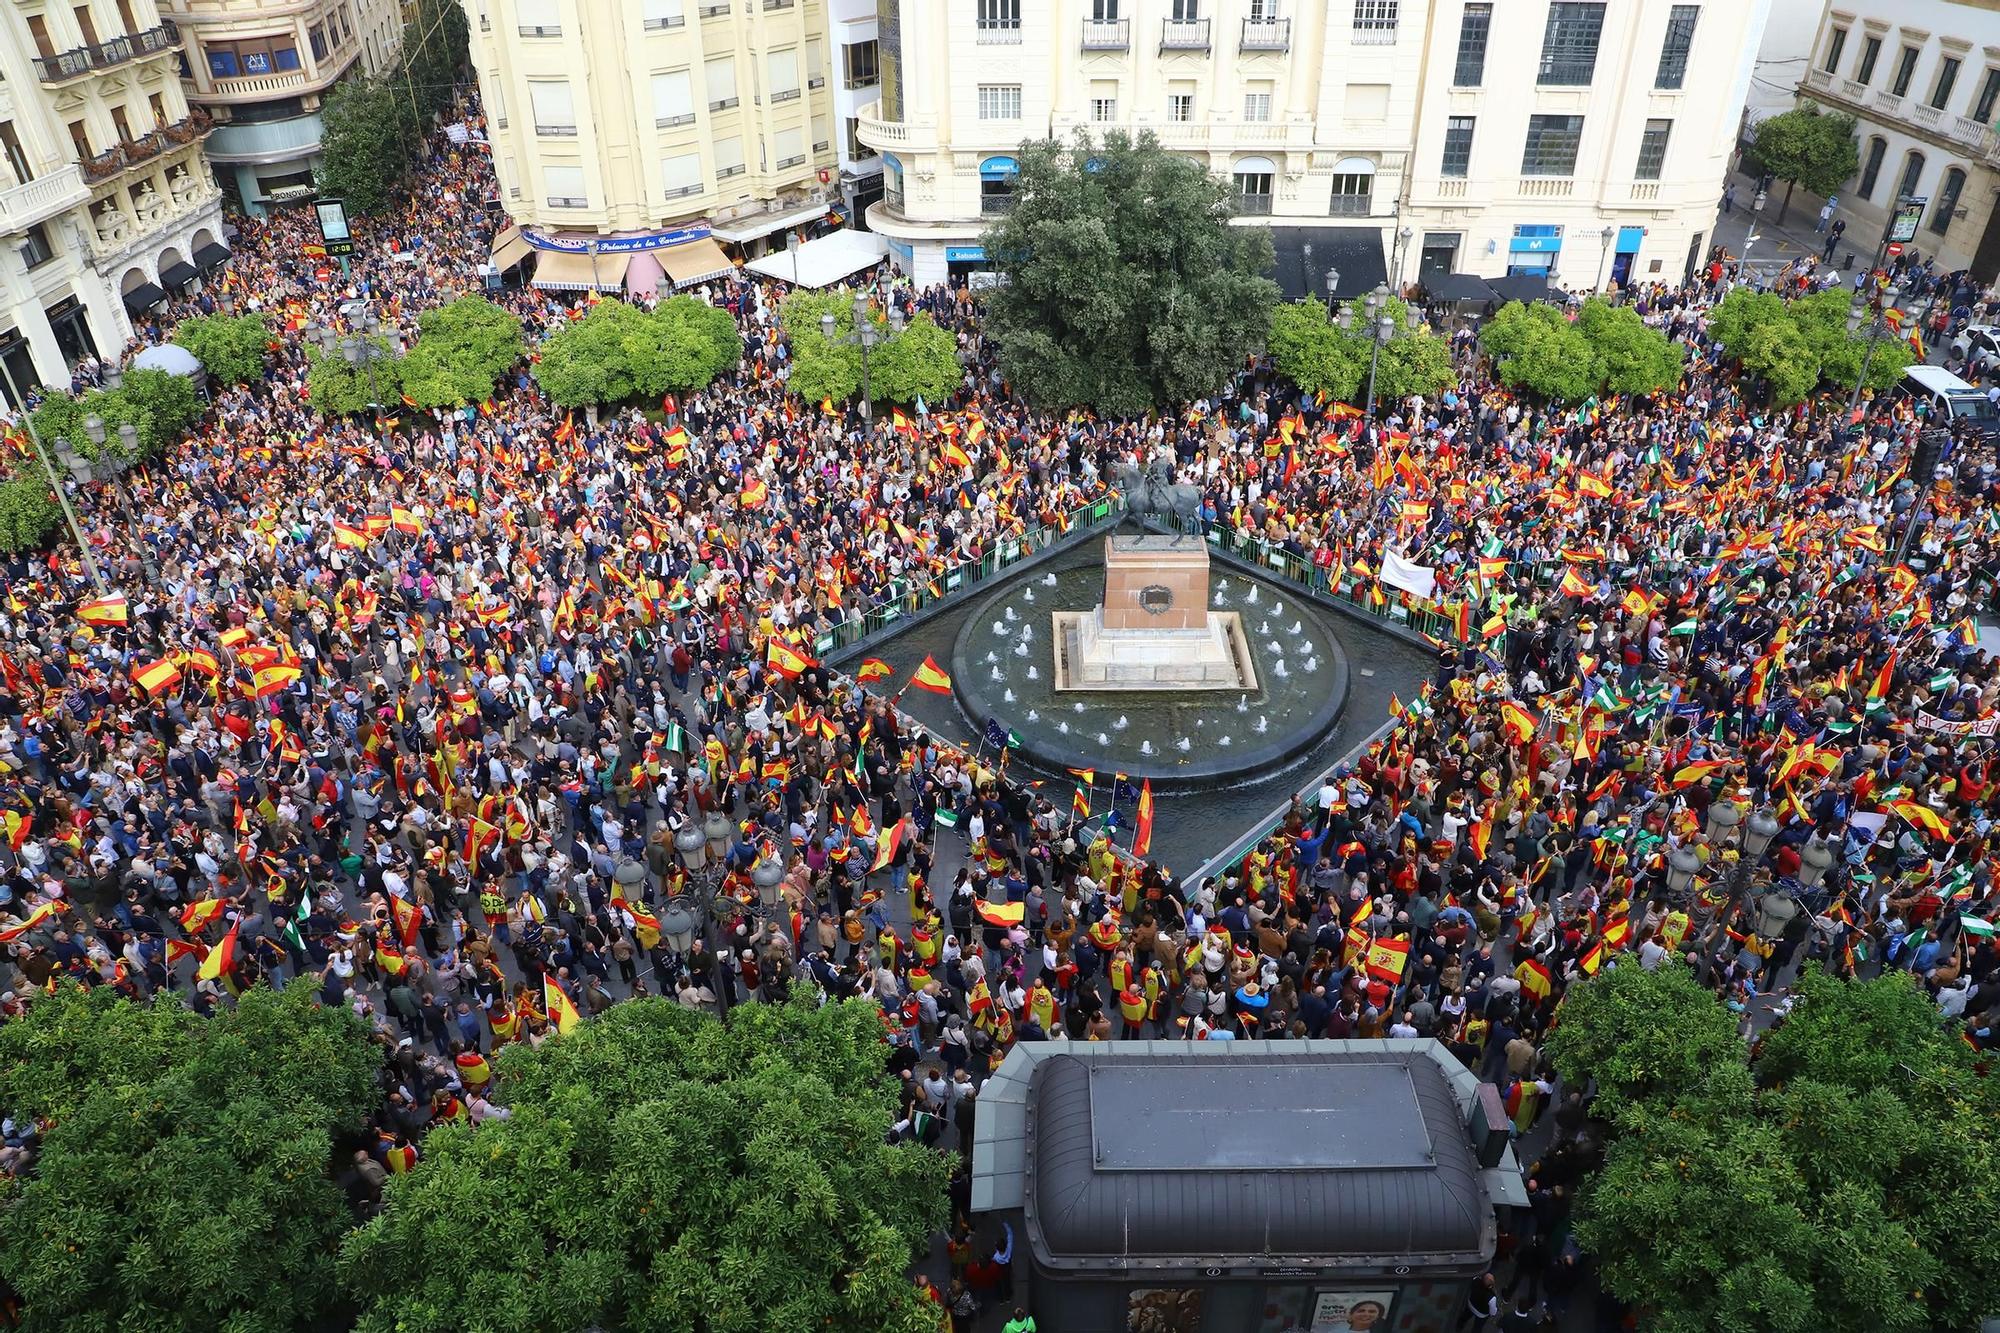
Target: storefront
{"type": "Point", "coordinates": [1626, 257]}
{"type": "Point", "coordinates": [1244, 1187]}
{"type": "Point", "coordinates": [967, 264]}
{"type": "Point", "coordinates": [1534, 249]}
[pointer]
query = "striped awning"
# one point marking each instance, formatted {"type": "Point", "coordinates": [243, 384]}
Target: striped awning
{"type": "Point", "coordinates": [567, 271]}
{"type": "Point", "coordinates": [697, 261]}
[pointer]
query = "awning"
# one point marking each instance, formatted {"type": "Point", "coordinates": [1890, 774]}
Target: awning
{"type": "Point", "coordinates": [568, 271]}
{"type": "Point", "coordinates": [1523, 286]}
{"type": "Point", "coordinates": [178, 274]}
{"type": "Point", "coordinates": [643, 274]}
{"type": "Point", "coordinates": [144, 297]}
{"type": "Point", "coordinates": [824, 260]}
{"type": "Point", "coordinates": [211, 257]}
{"type": "Point", "coordinates": [509, 248]}
{"type": "Point", "coordinates": [697, 261]}
{"type": "Point", "coordinates": [1459, 287]}
{"type": "Point", "coordinates": [749, 229]}
{"type": "Point", "coordinates": [1356, 253]}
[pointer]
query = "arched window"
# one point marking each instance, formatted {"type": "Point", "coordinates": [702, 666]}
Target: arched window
{"type": "Point", "coordinates": [1947, 200]}
{"type": "Point", "coordinates": [1871, 166]}
{"type": "Point", "coordinates": [1913, 170]}
{"type": "Point", "coordinates": [1254, 178]}
{"type": "Point", "coordinates": [892, 182]}
{"type": "Point", "coordinates": [1353, 187]}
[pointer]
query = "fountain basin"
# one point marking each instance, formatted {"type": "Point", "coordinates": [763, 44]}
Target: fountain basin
{"type": "Point", "coordinates": [1296, 687]}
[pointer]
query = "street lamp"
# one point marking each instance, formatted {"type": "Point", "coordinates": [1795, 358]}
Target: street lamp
{"type": "Point", "coordinates": [866, 336]}
{"type": "Point", "coordinates": [1758, 835]}
{"type": "Point", "coordinates": [593, 246]}
{"type": "Point", "coordinates": [1380, 329]}
{"type": "Point", "coordinates": [1682, 867]}
{"type": "Point", "coordinates": [55, 482]}
{"type": "Point", "coordinates": [1861, 311]}
{"type": "Point", "coordinates": [1332, 283]}
{"type": "Point", "coordinates": [1604, 255]}
{"type": "Point", "coordinates": [1743, 263]}
{"type": "Point", "coordinates": [358, 349]}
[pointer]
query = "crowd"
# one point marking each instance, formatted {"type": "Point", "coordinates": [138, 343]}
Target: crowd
{"type": "Point", "coordinates": [427, 717]}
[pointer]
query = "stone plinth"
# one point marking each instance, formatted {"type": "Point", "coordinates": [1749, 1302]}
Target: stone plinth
{"type": "Point", "coordinates": [1089, 656]}
{"type": "Point", "coordinates": [1155, 583]}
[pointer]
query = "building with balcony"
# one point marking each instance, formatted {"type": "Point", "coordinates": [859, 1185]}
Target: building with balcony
{"type": "Point", "coordinates": [261, 70]}
{"type": "Point", "coordinates": [1309, 109]}
{"type": "Point", "coordinates": [1583, 141]}
{"type": "Point", "coordinates": [105, 202]}
{"type": "Point", "coordinates": [857, 82]}
{"type": "Point", "coordinates": [1922, 80]}
{"type": "Point", "coordinates": [632, 138]}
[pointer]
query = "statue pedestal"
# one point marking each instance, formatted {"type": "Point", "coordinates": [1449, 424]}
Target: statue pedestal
{"type": "Point", "coordinates": [1154, 630]}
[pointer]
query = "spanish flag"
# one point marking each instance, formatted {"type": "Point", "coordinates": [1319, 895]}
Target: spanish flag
{"type": "Point", "coordinates": [562, 1013]}
{"type": "Point", "coordinates": [346, 534]}
{"type": "Point", "coordinates": [898, 420]}
{"type": "Point", "coordinates": [198, 914]}
{"type": "Point", "coordinates": [1002, 915]}
{"type": "Point", "coordinates": [1386, 959]}
{"type": "Point", "coordinates": [28, 923]}
{"type": "Point", "coordinates": [1699, 771]}
{"type": "Point", "coordinates": [221, 959]}
{"type": "Point", "coordinates": [645, 926]}
{"type": "Point", "coordinates": [157, 678]}
{"type": "Point", "coordinates": [270, 680]}
{"type": "Point", "coordinates": [104, 610]}
{"type": "Point", "coordinates": [956, 456]}
{"type": "Point", "coordinates": [1518, 721]}
{"type": "Point", "coordinates": [1593, 958]}
{"type": "Point", "coordinates": [1922, 816]}
{"type": "Point", "coordinates": [932, 677]}
{"type": "Point", "coordinates": [873, 669]}
{"type": "Point", "coordinates": [567, 431]}
{"type": "Point", "coordinates": [885, 851]}
{"type": "Point", "coordinates": [404, 520]}
{"type": "Point", "coordinates": [785, 662]}
{"type": "Point", "coordinates": [754, 493]}
{"type": "Point", "coordinates": [1142, 828]}
{"type": "Point", "coordinates": [826, 406]}
{"type": "Point", "coordinates": [409, 919]}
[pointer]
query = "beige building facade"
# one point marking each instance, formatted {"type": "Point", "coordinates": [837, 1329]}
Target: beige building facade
{"type": "Point", "coordinates": [105, 202]}
{"type": "Point", "coordinates": [261, 69]}
{"type": "Point", "coordinates": [631, 137]}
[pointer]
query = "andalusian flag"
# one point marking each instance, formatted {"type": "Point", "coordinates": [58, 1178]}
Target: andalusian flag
{"type": "Point", "coordinates": [561, 1012]}
{"type": "Point", "coordinates": [221, 959]}
{"type": "Point", "coordinates": [104, 610]}
{"type": "Point", "coordinates": [932, 677]}
{"type": "Point", "coordinates": [874, 669]}
{"type": "Point", "coordinates": [1142, 828]}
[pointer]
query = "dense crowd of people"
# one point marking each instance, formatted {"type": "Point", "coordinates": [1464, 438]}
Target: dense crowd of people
{"type": "Point", "coordinates": [422, 714]}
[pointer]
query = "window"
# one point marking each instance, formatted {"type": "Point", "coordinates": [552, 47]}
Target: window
{"type": "Point", "coordinates": [791, 148]}
{"type": "Point", "coordinates": [1375, 20]}
{"type": "Point", "coordinates": [1913, 170]}
{"type": "Point", "coordinates": [286, 57]}
{"type": "Point", "coordinates": [729, 157]}
{"type": "Point", "coordinates": [565, 186]}
{"type": "Point", "coordinates": [223, 64]}
{"type": "Point", "coordinates": [1989, 93]}
{"type": "Point", "coordinates": [17, 157]}
{"type": "Point", "coordinates": [83, 22]}
{"type": "Point", "coordinates": [1906, 67]}
{"type": "Point", "coordinates": [1257, 103]}
{"type": "Point", "coordinates": [538, 18]}
{"type": "Point", "coordinates": [121, 124]}
{"type": "Point", "coordinates": [1674, 50]}
{"type": "Point", "coordinates": [1652, 150]}
{"type": "Point", "coordinates": [859, 64]}
{"type": "Point", "coordinates": [1252, 178]}
{"type": "Point", "coordinates": [663, 14]}
{"type": "Point", "coordinates": [1946, 203]}
{"type": "Point", "coordinates": [815, 63]}
{"type": "Point", "coordinates": [35, 248]}
{"type": "Point", "coordinates": [999, 101]}
{"type": "Point", "coordinates": [1871, 51]}
{"type": "Point", "coordinates": [996, 193]}
{"type": "Point", "coordinates": [719, 76]}
{"type": "Point", "coordinates": [857, 151]}
{"type": "Point", "coordinates": [126, 22]}
{"type": "Point", "coordinates": [1103, 11]}
{"type": "Point", "coordinates": [1472, 29]}
{"type": "Point", "coordinates": [1263, 11]}
{"type": "Point", "coordinates": [673, 99]}
{"type": "Point", "coordinates": [682, 175]}
{"type": "Point", "coordinates": [1552, 144]}
{"type": "Point", "coordinates": [1185, 11]}
{"type": "Point", "coordinates": [781, 74]}
{"type": "Point", "coordinates": [555, 112]}
{"type": "Point", "coordinates": [892, 185]}
{"type": "Point", "coordinates": [1353, 194]}
{"type": "Point", "coordinates": [1569, 43]}
{"type": "Point", "coordinates": [1180, 108]}
{"type": "Point", "coordinates": [1836, 42]}
{"type": "Point", "coordinates": [79, 139]}
{"type": "Point", "coordinates": [1104, 109]}
{"type": "Point", "coordinates": [999, 15]}
{"type": "Point", "coordinates": [1947, 78]}
{"type": "Point", "coordinates": [1457, 147]}
{"type": "Point", "coordinates": [38, 28]}
{"type": "Point", "coordinates": [1871, 169]}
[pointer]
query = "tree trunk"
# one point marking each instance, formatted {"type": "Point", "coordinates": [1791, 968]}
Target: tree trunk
{"type": "Point", "coordinates": [1785, 203]}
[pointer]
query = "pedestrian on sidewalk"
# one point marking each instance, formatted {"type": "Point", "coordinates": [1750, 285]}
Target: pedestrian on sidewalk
{"type": "Point", "coordinates": [1825, 215]}
{"type": "Point", "coordinates": [1729, 199]}
{"type": "Point", "coordinates": [1833, 239]}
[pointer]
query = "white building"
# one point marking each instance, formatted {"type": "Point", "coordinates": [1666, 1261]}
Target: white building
{"type": "Point", "coordinates": [104, 198]}
{"type": "Point", "coordinates": [1580, 140]}
{"type": "Point", "coordinates": [1922, 79]}
{"type": "Point", "coordinates": [1782, 58]}
{"type": "Point", "coordinates": [857, 82]}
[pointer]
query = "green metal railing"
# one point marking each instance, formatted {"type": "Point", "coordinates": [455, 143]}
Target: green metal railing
{"type": "Point", "coordinates": [910, 595]}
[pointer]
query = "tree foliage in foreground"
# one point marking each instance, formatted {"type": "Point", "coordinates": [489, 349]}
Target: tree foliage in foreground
{"type": "Point", "coordinates": [663, 1171]}
{"type": "Point", "coordinates": [462, 350]}
{"type": "Point", "coordinates": [335, 388]}
{"type": "Point", "coordinates": [1807, 146]}
{"type": "Point", "coordinates": [1799, 344]}
{"type": "Point", "coordinates": [618, 352]}
{"type": "Point", "coordinates": [231, 348]}
{"type": "Point", "coordinates": [1125, 285]}
{"type": "Point", "coordinates": [1844, 1183]}
{"type": "Point", "coordinates": [368, 138]}
{"type": "Point", "coordinates": [919, 362]}
{"type": "Point", "coordinates": [1313, 351]}
{"type": "Point", "coordinates": [1605, 349]}
{"type": "Point", "coordinates": [184, 1182]}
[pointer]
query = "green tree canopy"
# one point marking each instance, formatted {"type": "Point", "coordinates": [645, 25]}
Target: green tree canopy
{"type": "Point", "coordinates": [368, 139]}
{"type": "Point", "coordinates": [920, 362]}
{"type": "Point", "coordinates": [1798, 345]}
{"type": "Point", "coordinates": [1125, 285]}
{"type": "Point", "coordinates": [697, 343]}
{"type": "Point", "coordinates": [618, 351]}
{"type": "Point", "coordinates": [1631, 356]}
{"type": "Point", "coordinates": [1851, 1186]}
{"type": "Point", "coordinates": [1309, 350]}
{"type": "Point", "coordinates": [1807, 146]}
{"type": "Point", "coordinates": [184, 1183]}
{"type": "Point", "coordinates": [160, 406]}
{"type": "Point", "coordinates": [334, 388]}
{"type": "Point", "coordinates": [28, 512]}
{"type": "Point", "coordinates": [231, 348]}
{"type": "Point", "coordinates": [462, 350]}
{"type": "Point", "coordinates": [1605, 349]}
{"type": "Point", "coordinates": [665, 1171]}
{"type": "Point", "coordinates": [1316, 353]}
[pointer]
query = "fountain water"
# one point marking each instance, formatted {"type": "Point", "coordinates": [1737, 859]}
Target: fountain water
{"type": "Point", "coordinates": [1312, 664]}
{"type": "Point", "coordinates": [1183, 745]}
{"type": "Point", "coordinates": [1145, 747]}
{"type": "Point", "coordinates": [998, 677]}
{"type": "Point", "coordinates": [1048, 580]}
{"type": "Point", "coordinates": [1078, 707]}
{"type": "Point", "coordinates": [1028, 596]}
{"type": "Point", "coordinates": [1034, 674]}
{"type": "Point", "coordinates": [1222, 740]}
{"type": "Point", "coordinates": [1103, 739]}
{"type": "Point", "coordinates": [1278, 670]}
{"type": "Point", "coordinates": [1033, 716]}
{"type": "Point", "coordinates": [1000, 630]}
{"type": "Point", "coordinates": [1242, 703]}
{"type": "Point", "coordinates": [1296, 630]}
{"type": "Point", "coordinates": [1263, 724]}
{"type": "Point", "coordinates": [992, 658]}
{"type": "Point", "coordinates": [1007, 697]}
{"type": "Point", "coordinates": [1062, 728]}
{"type": "Point", "coordinates": [1121, 723]}
{"type": "Point", "coordinates": [1021, 648]}
{"type": "Point", "coordinates": [1251, 596]}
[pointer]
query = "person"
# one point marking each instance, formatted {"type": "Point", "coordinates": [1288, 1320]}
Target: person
{"type": "Point", "coordinates": [1482, 1303]}
{"type": "Point", "coordinates": [1019, 1322]}
{"type": "Point", "coordinates": [1825, 215]}
{"type": "Point", "coordinates": [1833, 235]}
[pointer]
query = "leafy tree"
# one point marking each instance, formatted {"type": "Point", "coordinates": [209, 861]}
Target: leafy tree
{"type": "Point", "coordinates": [184, 1183]}
{"type": "Point", "coordinates": [665, 1171]}
{"type": "Point", "coordinates": [618, 351]}
{"type": "Point", "coordinates": [920, 362]}
{"type": "Point", "coordinates": [1307, 347]}
{"type": "Point", "coordinates": [1807, 146]}
{"type": "Point", "coordinates": [1849, 1186]}
{"type": "Point", "coordinates": [461, 350]}
{"type": "Point", "coordinates": [697, 343]}
{"type": "Point", "coordinates": [1798, 345]}
{"type": "Point", "coordinates": [822, 369]}
{"type": "Point", "coordinates": [1632, 357]}
{"type": "Point", "coordinates": [161, 406]}
{"type": "Point", "coordinates": [335, 388]}
{"type": "Point", "coordinates": [1125, 286]}
{"type": "Point", "coordinates": [1840, 355]}
{"type": "Point", "coordinates": [368, 139]}
{"type": "Point", "coordinates": [28, 512]}
{"type": "Point", "coordinates": [231, 348]}
{"type": "Point", "coordinates": [1536, 347]}
{"type": "Point", "coordinates": [433, 55]}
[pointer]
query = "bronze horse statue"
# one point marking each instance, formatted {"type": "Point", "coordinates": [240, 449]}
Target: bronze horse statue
{"type": "Point", "coordinates": [1154, 491]}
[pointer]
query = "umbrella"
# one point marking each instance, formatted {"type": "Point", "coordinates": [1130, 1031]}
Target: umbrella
{"type": "Point", "coordinates": [1521, 287]}
{"type": "Point", "coordinates": [1460, 287]}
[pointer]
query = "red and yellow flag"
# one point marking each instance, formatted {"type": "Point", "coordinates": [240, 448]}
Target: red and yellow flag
{"type": "Point", "coordinates": [785, 662]}
{"type": "Point", "coordinates": [562, 1013]}
{"type": "Point", "coordinates": [156, 678]}
{"type": "Point", "coordinates": [104, 610]}
{"type": "Point", "coordinates": [932, 677]}
{"type": "Point", "coordinates": [1142, 827]}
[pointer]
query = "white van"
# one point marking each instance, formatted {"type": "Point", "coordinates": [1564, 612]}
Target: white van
{"type": "Point", "coordinates": [1949, 401]}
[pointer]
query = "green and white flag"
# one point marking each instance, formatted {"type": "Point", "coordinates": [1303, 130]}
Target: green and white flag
{"type": "Point", "coordinates": [1973, 925]}
{"type": "Point", "coordinates": [1685, 627]}
{"type": "Point", "coordinates": [676, 738]}
{"type": "Point", "coordinates": [947, 818]}
{"type": "Point", "coordinates": [293, 935]}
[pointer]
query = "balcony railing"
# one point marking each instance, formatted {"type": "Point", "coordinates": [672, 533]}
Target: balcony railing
{"type": "Point", "coordinates": [999, 31]}
{"type": "Point", "coordinates": [44, 197]}
{"type": "Point", "coordinates": [714, 11]}
{"type": "Point", "coordinates": [1267, 35]}
{"type": "Point", "coordinates": [777, 4]}
{"type": "Point", "coordinates": [540, 30]}
{"type": "Point", "coordinates": [673, 122]}
{"type": "Point", "coordinates": [1853, 89]}
{"type": "Point", "coordinates": [724, 173]}
{"type": "Point", "coordinates": [1254, 205]}
{"type": "Point", "coordinates": [1645, 192]}
{"type": "Point", "coordinates": [1928, 116]}
{"type": "Point", "coordinates": [722, 103]}
{"type": "Point", "coordinates": [994, 205]}
{"type": "Point", "coordinates": [784, 95]}
{"type": "Point", "coordinates": [683, 191]}
{"type": "Point", "coordinates": [1450, 189]}
{"type": "Point", "coordinates": [1545, 187]}
{"type": "Point", "coordinates": [556, 131]}
{"type": "Point", "coordinates": [567, 201]}
{"type": "Point", "coordinates": [74, 64]}
{"type": "Point", "coordinates": [1184, 34]}
{"type": "Point", "coordinates": [665, 21]}
{"type": "Point", "coordinates": [1107, 34]}
{"type": "Point", "coordinates": [787, 163]}
{"type": "Point", "coordinates": [134, 152]}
